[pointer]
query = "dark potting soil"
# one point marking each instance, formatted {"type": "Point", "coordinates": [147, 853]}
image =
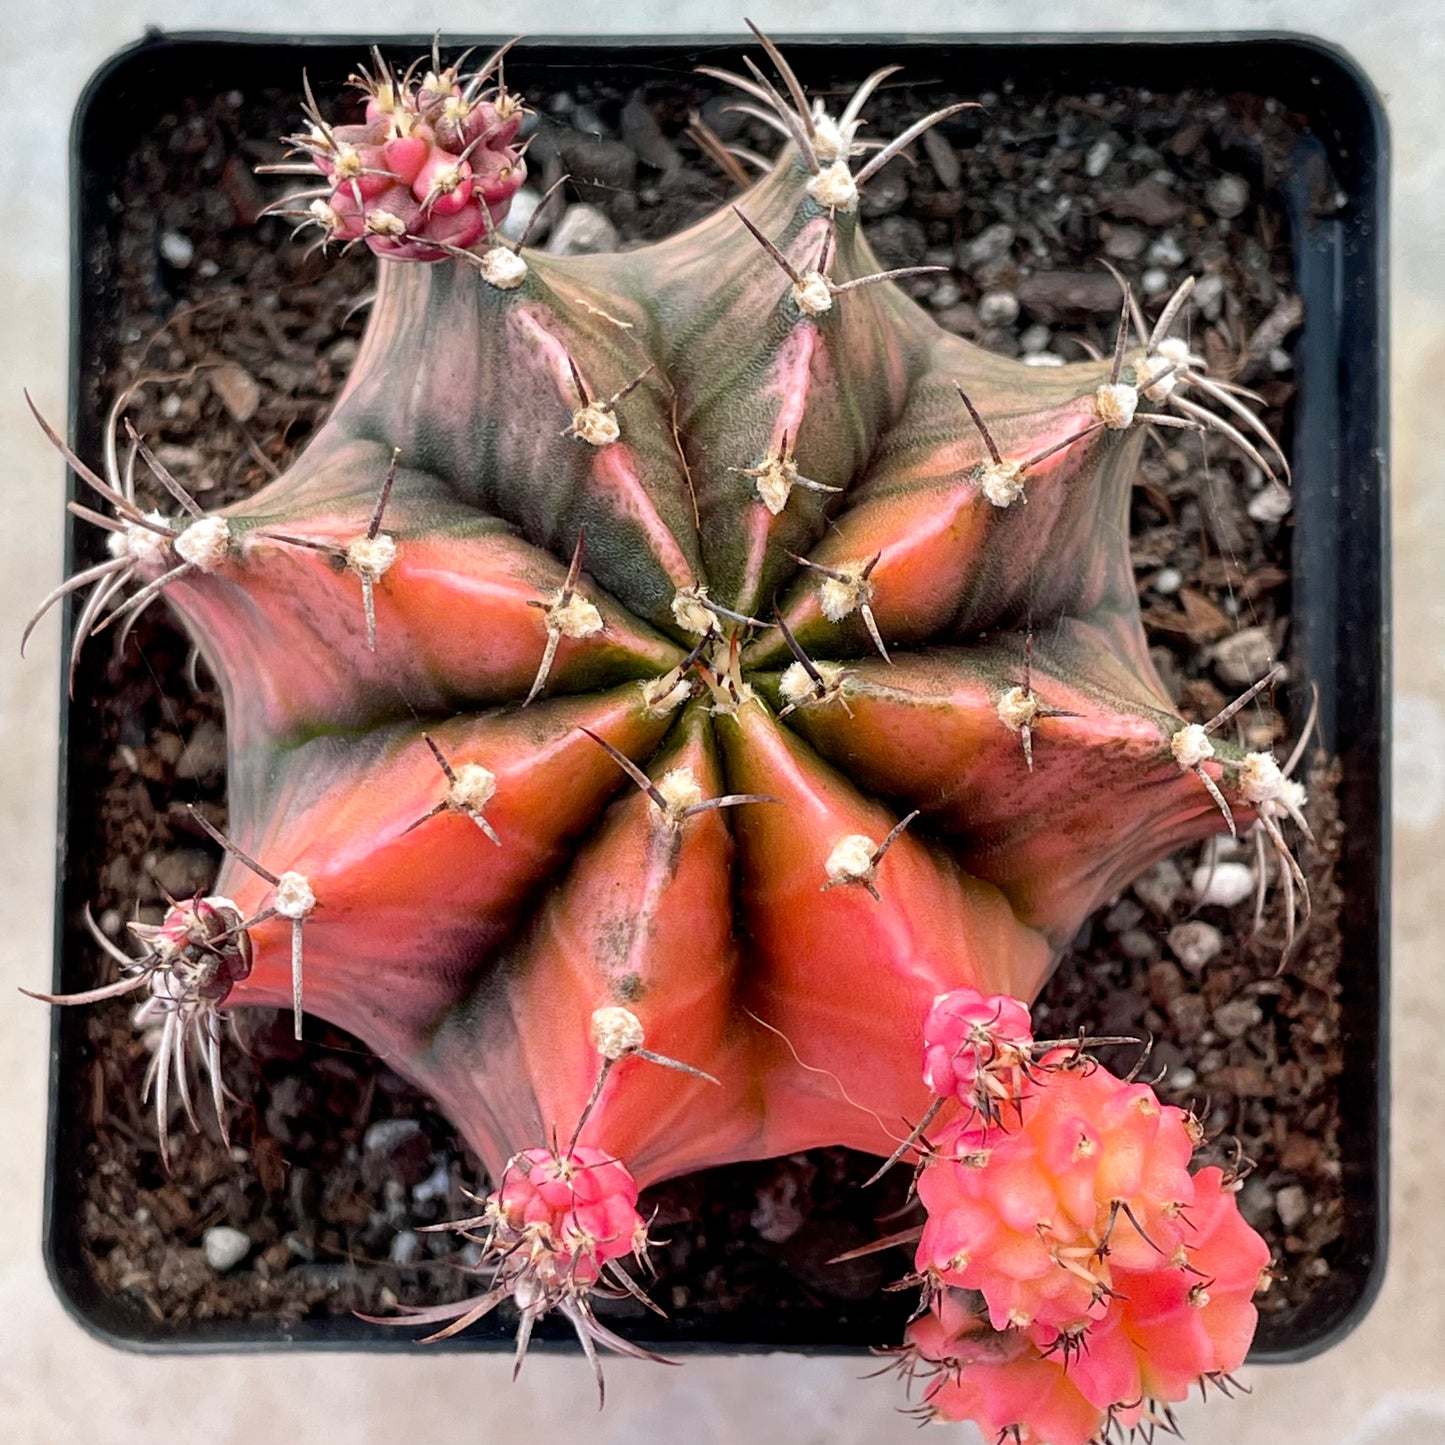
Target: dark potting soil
{"type": "Point", "coordinates": [237, 342]}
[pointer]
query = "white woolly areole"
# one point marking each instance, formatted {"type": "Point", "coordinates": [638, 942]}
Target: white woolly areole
{"type": "Point", "coordinates": [680, 790]}
{"type": "Point", "coordinates": [774, 481]}
{"type": "Point", "coordinates": [851, 860]}
{"type": "Point", "coordinates": [831, 141]}
{"type": "Point", "coordinates": [472, 787]}
{"type": "Point", "coordinates": [293, 898]}
{"type": "Point", "coordinates": [797, 685]}
{"type": "Point", "coordinates": [661, 695]}
{"type": "Point", "coordinates": [325, 216]}
{"type": "Point", "coordinates": [142, 546]}
{"type": "Point", "coordinates": [346, 162]}
{"type": "Point", "coordinates": [838, 596]}
{"type": "Point", "coordinates": [1156, 390]}
{"type": "Point", "coordinates": [384, 223]}
{"type": "Point", "coordinates": [454, 108]}
{"type": "Point", "coordinates": [616, 1032]}
{"type": "Point", "coordinates": [1191, 746]}
{"type": "Point", "coordinates": [741, 695]}
{"type": "Point", "coordinates": [205, 543]}
{"type": "Point", "coordinates": [503, 268]}
{"type": "Point", "coordinates": [1261, 781]}
{"type": "Point", "coordinates": [1116, 403]}
{"type": "Point", "coordinates": [1175, 349]}
{"type": "Point", "coordinates": [813, 295]}
{"type": "Point", "coordinates": [1017, 709]}
{"type": "Point", "coordinates": [1003, 483]}
{"type": "Point", "coordinates": [577, 617]}
{"type": "Point", "coordinates": [371, 557]}
{"type": "Point", "coordinates": [834, 187]}
{"type": "Point", "coordinates": [691, 611]}
{"type": "Point", "coordinates": [444, 182]}
{"type": "Point", "coordinates": [596, 425]}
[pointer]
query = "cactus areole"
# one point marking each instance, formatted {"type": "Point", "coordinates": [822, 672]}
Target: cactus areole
{"type": "Point", "coordinates": [637, 735]}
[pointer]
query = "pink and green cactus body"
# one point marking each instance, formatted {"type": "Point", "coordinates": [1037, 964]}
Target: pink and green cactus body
{"type": "Point", "coordinates": [665, 676]}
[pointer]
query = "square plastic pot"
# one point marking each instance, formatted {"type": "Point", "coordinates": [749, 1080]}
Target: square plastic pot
{"type": "Point", "coordinates": [1333, 191]}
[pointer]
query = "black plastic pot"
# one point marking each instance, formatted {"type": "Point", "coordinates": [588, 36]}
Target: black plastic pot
{"type": "Point", "coordinates": [1334, 194]}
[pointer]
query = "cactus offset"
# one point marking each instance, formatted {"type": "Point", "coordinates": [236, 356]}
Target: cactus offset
{"type": "Point", "coordinates": [635, 723]}
{"type": "Point", "coordinates": [1076, 1276]}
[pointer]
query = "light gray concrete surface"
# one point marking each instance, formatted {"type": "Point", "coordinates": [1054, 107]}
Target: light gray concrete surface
{"type": "Point", "coordinates": [1385, 1384]}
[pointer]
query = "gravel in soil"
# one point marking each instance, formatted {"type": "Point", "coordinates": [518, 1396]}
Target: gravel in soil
{"type": "Point", "coordinates": [238, 342]}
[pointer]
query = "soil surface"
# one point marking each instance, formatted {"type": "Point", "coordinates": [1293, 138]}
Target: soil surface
{"type": "Point", "coordinates": [238, 342]}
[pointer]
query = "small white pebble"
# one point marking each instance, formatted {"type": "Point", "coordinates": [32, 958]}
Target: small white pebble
{"type": "Point", "coordinates": [1227, 196]}
{"type": "Point", "coordinates": [1195, 943]}
{"type": "Point", "coordinates": [1226, 884]}
{"type": "Point", "coordinates": [1271, 504]}
{"type": "Point", "coordinates": [1036, 338]}
{"type": "Point", "coordinates": [437, 1184]}
{"type": "Point", "coordinates": [1244, 657]}
{"type": "Point", "coordinates": [998, 308]}
{"type": "Point", "coordinates": [1166, 251]}
{"type": "Point", "coordinates": [1154, 281]}
{"type": "Point", "coordinates": [385, 1135]}
{"type": "Point", "coordinates": [523, 207]}
{"type": "Point", "coordinates": [405, 1247]}
{"type": "Point", "coordinates": [946, 292]}
{"type": "Point", "coordinates": [224, 1247]}
{"type": "Point", "coordinates": [1208, 294]}
{"type": "Point", "coordinates": [1167, 581]}
{"type": "Point", "coordinates": [1236, 1017]}
{"type": "Point", "coordinates": [1160, 887]}
{"type": "Point", "coordinates": [177, 249]}
{"type": "Point", "coordinates": [1097, 159]}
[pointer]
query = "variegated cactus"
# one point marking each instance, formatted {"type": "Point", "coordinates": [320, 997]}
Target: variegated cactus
{"type": "Point", "coordinates": [635, 719]}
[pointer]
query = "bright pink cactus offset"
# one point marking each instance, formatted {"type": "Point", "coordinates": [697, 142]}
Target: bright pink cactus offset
{"type": "Point", "coordinates": [555, 1228]}
{"type": "Point", "coordinates": [974, 1048]}
{"type": "Point", "coordinates": [1077, 1276]}
{"type": "Point", "coordinates": [432, 169]}
{"type": "Point", "coordinates": [637, 735]}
